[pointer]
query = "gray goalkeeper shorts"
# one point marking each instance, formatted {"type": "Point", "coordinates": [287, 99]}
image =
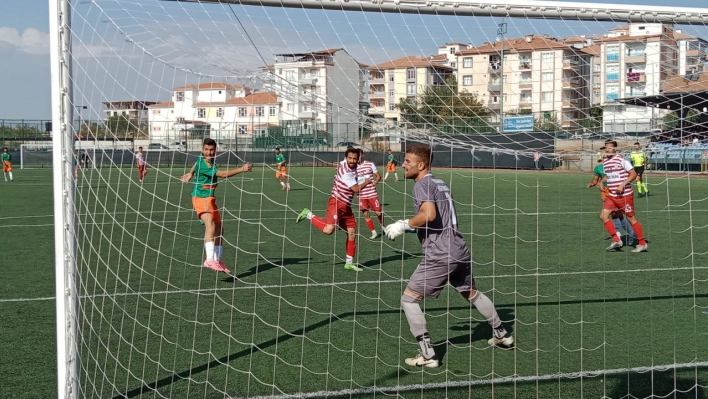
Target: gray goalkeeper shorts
{"type": "Point", "coordinates": [430, 278]}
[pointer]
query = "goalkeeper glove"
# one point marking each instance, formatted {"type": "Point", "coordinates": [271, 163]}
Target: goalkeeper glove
{"type": "Point", "coordinates": [397, 229]}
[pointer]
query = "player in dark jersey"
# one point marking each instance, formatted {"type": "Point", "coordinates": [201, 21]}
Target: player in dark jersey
{"type": "Point", "coordinates": [446, 258]}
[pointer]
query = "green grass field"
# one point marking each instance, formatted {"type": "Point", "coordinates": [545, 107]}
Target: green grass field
{"type": "Point", "coordinates": [292, 321]}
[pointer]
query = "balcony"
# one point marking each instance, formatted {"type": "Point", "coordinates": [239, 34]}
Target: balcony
{"type": "Point", "coordinates": [612, 57]}
{"type": "Point", "coordinates": [526, 85]}
{"type": "Point", "coordinates": [570, 102]}
{"type": "Point", "coordinates": [305, 115]}
{"type": "Point", "coordinates": [307, 80]}
{"type": "Point", "coordinates": [525, 64]}
{"type": "Point", "coordinates": [635, 93]}
{"type": "Point", "coordinates": [636, 77]}
{"type": "Point", "coordinates": [494, 87]}
{"type": "Point", "coordinates": [635, 56]}
{"type": "Point", "coordinates": [571, 83]}
{"type": "Point", "coordinates": [494, 68]}
{"type": "Point", "coordinates": [612, 96]}
{"type": "Point", "coordinates": [525, 103]}
{"type": "Point", "coordinates": [570, 63]}
{"type": "Point", "coordinates": [377, 94]}
{"type": "Point", "coordinates": [376, 81]}
{"type": "Point", "coordinates": [612, 77]}
{"type": "Point", "coordinates": [494, 106]}
{"type": "Point", "coordinates": [377, 110]}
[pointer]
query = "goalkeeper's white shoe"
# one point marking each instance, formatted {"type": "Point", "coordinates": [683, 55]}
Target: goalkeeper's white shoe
{"type": "Point", "coordinates": [614, 245]}
{"type": "Point", "coordinates": [505, 342]}
{"type": "Point", "coordinates": [419, 361]}
{"type": "Point", "coordinates": [374, 234]}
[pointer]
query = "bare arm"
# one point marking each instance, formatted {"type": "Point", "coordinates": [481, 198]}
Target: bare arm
{"type": "Point", "coordinates": [357, 187]}
{"type": "Point", "coordinates": [595, 180]}
{"type": "Point", "coordinates": [378, 178]}
{"type": "Point", "coordinates": [630, 179]}
{"type": "Point", "coordinates": [233, 172]}
{"type": "Point", "coordinates": [427, 214]}
{"type": "Point", "coordinates": [187, 177]}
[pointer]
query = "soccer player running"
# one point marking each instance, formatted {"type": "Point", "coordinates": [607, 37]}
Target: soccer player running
{"type": "Point", "coordinates": [7, 164]}
{"type": "Point", "coordinates": [205, 174]}
{"type": "Point", "coordinates": [368, 197]}
{"type": "Point", "coordinates": [446, 258]}
{"type": "Point", "coordinates": [339, 207]}
{"type": "Point", "coordinates": [599, 180]}
{"type": "Point", "coordinates": [620, 174]}
{"type": "Point", "coordinates": [639, 160]}
{"type": "Point", "coordinates": [140, 162]}
{"type": "Point", "coordinates": [281, 174]}
{"type": "Point", "coordinates": [391, 166]}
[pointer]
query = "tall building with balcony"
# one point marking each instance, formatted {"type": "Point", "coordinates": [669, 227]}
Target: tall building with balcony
{"type": "Point", "coordinates": [631, 61]}
{"type": "Point", "coordinates": [403, 78]}
{"type": "Point", "coordinates": [320, 91]}
{"type": "Point", "coordinates": [692, 53]}
{"type": "Point", "coordinates": [538, 75]}
{"type": "Point", "coordinates": [447, 54]}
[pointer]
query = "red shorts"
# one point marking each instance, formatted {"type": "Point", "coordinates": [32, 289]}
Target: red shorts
{"type": "Point", "coordinates": [373, 204]}
{"type": "Point", "coordinates": [141, 168]}
{"type": "Point", "coordinates": [625, 204]}
{"type": "Point", "coordinates": [340, 213]}
{"type": "Point", "coordinates": [206, 205]}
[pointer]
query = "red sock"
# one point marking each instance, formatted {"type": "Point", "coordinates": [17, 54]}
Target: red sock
{"type": "Point", "coordinates": [370, 225]}
{"type": "Point", "coordinates": [351, 248]}
{"type": "Point", "coordinates": [610, 227]}
{"type": "Point", "coordinates": [318, 222]}
{"type": "Point", "coordinates": [380, 219]}
{"type": "Point", "coordinates": [639, 233]}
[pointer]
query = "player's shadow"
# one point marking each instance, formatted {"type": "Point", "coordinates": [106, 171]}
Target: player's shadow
{"type": "Point", "coordinates": [264, 267]}
{"type": "Point", "coordinates": [391, 258]}
{"type": "Point", "coordinates": [476, 331]}
{"type": "Point", "coordinates": [669, 383]}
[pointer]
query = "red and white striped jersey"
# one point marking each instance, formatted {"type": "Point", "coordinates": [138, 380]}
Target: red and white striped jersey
{"type": "Point", "coordinates": [617, 170]}
{"type": "Point", "coordinates": [367, 170]}
{"type": "Point", "coordinates": [140, 157]}
{"type": "Point", "coordinates": [343, 181]}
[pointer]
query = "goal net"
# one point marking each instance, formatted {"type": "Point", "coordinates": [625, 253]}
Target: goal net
{"type": "Point", "coordinates": [516, 99]}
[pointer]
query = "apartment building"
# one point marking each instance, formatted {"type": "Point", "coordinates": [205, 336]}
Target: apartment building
{"type": "Point", "coordinates": [631, 61]}
{"type": "Point", "coordinates": [447, 54]}
{"type": "Point", "coordinates": [537, 75]}
{"type": "Point", "coordinates": [692, 53]}
{"type": "Point", "coordinates": [398, 79]}
{"type": "Point", "coordinates": [223, 110]}
{"type": "Point", "coordinates": [319, 90]}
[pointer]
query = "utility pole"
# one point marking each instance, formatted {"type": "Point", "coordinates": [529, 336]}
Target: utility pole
{"type": "Point", "coordinates": [501, 31]}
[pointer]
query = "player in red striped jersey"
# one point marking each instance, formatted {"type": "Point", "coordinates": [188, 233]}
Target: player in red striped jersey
{"type": "Point", "coordinates": [368, 197]}
{"type": "Point", "coordinates": [620, 175]}
{"type": "Point", "coordinates": [339, 207]}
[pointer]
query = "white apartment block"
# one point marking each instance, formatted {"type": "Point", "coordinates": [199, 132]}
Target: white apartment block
{"type": "Point", "coordinates": [539, 75]}
{"type": "Point", "coordinates": [323, 90]}
{"type": "Point", "coordinates": [692, 53]}
{"type": "Point", "coordinates": [631, 61]}
{"type": "Point", "coordinates": [447, 54]}
{"type": "Point", "coordinates": [406, 77]}
{"type": "Point", "coordinates": [224, 111]}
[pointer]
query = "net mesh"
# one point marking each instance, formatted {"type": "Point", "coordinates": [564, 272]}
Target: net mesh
{"type": "Point", "coordinates": [513, 108]}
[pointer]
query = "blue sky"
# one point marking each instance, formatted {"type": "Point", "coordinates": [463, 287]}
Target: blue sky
{"type": "Point", "coordinates": [184, 38]}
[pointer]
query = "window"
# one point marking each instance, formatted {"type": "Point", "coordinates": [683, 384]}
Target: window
{"type": "Point", "coordinates": [467, 80]}
{"type": "Point", "coordinates": [243, 129]}
{"type": "Point", "coordinates": [219, 112]}
{"type": "Point", "coordinates": [219, 91]}
{"type": "Point", "coordinates": [201, 113]}
{"type": "Point", "coordinates": [260, 111]}
{"type": "Point", "coordinates": [547, 96]}
{"type": "Point", "coordinates": [271, 111]}
{"type": "Point", "coordinates": [179, 96]}
{"type": "Point", "coordinates": [390, 92]}
{"type": "Point", "coordinates": [612, 92]}
{"type": "Point", "coordinates": [613, 53]}
{"type": "Point", "coordinates": [154, 112]}
{"type": "Point", "coordinates": [453, 65]}
{"type": "Point", "coordinates": [410, 89]}
{"type": "Point", "coordinates": [290, 76]}
{"type": "Point", "coordinates": [410, 73]}
{"type": "Point", "coordinates": [547, 57]}
{"type": "Point", "coordinates": [612, 73]}
{"type": "Point", "coordinates": [291, 108]}
{"type": "Point", "coordinates": [242, 111]}
{"type": "Point", "coordinates": [453, 50]}
{"type": "Point", "coordinates": [467, 62]}
{"type": "Point", "coordinates": [280, 71]}
{"type": "Point", "coordinates": [315, 73]}
{"type": "Point", "coordinates": [548, 76]}
{"type": "Point", "coordinates": [504, 78]}
{"type": "Point", "coordinates": [390, 76]}
{"type": "Point", "coordinates": [392, 107]}
{"type": "Point", "coordinates": [504, 97]}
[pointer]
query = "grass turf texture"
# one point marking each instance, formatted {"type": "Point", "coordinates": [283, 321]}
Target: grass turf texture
{"type": "Point", "coordinates": [294, 321]}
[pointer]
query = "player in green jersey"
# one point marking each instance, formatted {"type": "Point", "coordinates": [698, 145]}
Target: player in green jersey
{"type": "Point", "coordinates": [7, 163]}
{"type": "Point", "coordinates": [281, 172]}
{"type": "Point", "coordinates": [205, 174]}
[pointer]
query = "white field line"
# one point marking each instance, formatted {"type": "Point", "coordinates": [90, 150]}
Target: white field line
{"type": "Point", "coordinates": [349, 283]}
{"type": "Point", "coordinates": [500, 380]}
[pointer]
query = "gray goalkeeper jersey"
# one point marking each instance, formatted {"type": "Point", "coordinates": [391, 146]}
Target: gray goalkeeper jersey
{"type": "Point", "coordinates": [441, 241]}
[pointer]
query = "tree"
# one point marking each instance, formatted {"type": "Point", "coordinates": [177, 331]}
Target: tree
{"type": "Point", "coordinates": [442, 105]}
{"type": "Point", "coordinates": [673, 120]}
{"type": "Point", "coordinates": [547, 124]}
{"type": "Point", "coordinates": [594, 119]}
{"type": "Point", "coordinates": [121, 126]}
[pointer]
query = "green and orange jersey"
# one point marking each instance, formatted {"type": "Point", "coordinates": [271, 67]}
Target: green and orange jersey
{"type": "Point", "coordinates": [391, 158]}
{"type": "Point", "coordinates": [205, 180]}
{"type": "Point", "coordinates": [280, 160]}
{"type": "Point", "coordinates": [6, 157]}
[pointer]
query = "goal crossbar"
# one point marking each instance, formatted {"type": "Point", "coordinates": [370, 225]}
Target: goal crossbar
{"type": "Point", "coordinates": [487, 8]}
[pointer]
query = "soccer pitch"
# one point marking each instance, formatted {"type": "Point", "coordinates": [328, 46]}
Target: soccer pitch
{"type": "Point", "coordinates": [292, 321]}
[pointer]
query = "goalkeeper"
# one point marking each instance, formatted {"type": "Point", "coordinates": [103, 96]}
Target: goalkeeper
{"type": "Point", "coordinates": [205, 174]}
{"type": "Point", "coordinates": [446, 258]}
